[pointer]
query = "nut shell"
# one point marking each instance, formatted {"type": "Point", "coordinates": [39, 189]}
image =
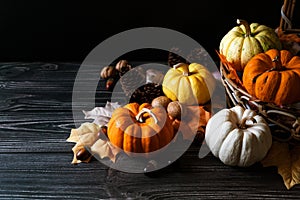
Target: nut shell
{"type": "Point", "coordinates": [108, 72]}
{"type": "Point", "coordinates": [176, 110]}
{"type": "Point", "coordinates": [123, 66]}
{"type": "Point", "coordinates": [161, 101]}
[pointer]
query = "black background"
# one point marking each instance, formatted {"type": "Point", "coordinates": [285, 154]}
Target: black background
{"type": "Point", "coordinates": [68, 30]}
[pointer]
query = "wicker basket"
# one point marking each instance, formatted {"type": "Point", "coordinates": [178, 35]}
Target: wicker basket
{"type": "Point", "coordinates": [287, 30]}
{"type": "Point", "coordinates": [286, 20]}
{"type": "Point", "coordinates": [283, 121]}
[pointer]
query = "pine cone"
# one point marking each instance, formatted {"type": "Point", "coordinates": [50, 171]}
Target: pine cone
{"type": "Point", "coordinates": [174, 58]}
{"type": "Point", "coordinates": [198, 55]}
{"type": "Point", "coordinates": [132, 80]}
{"type": "Point", "coordinates": [146, 93]}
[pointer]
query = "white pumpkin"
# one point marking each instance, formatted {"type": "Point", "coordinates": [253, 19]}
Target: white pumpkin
{"type": "Point", "coordinates": [238, 136]}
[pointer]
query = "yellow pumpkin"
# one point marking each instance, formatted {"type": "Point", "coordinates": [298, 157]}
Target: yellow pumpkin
{"type": "Point", "coordinates": [242, 42]}
{"type": "Point", "coordinates": [189, 84]}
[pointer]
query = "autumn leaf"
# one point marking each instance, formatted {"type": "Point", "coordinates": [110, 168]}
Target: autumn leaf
{"type": "Point", "coordinates": [84, 136]}
{"type": "Point", "coordinates": [77, 147]}
{"type": "Point", "coordinates": [101, 115]}
{"type": "Point", "coordinates": [287, 160]}
{"type": "Point", "coordinates": [194, 121]}
{"type": "Point", "coordinates": [232, 71]}
{"type": "Point", "coordinates": [104, 149]}
{"type": "Point", "coordinates": [86, 129]}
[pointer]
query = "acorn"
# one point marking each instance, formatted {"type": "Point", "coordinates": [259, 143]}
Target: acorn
{"type": "Point", "coordinates": [161, 101]}
{"type": "Point", "coordinates": [102, 134]}
{"type": "Point", "coordinates": [123, 66]}
{"type": "Point", "coordinates": [176, 110]}
{"type": "Point", "coordinates": [108, 72]}
{"type": "Point", "coordinates": [83, 154]}
{"type": "Point", "coordinates": [109, 83]}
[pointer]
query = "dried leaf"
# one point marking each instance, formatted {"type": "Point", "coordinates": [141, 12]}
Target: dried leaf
{"type": "Point", "coordinates": [232, 71]}
{"type": "Point", "coordinates": [289, 41]}
{"type": "Point", "coordinates": [194, 121]}
{"type": "Point", "coordinates": [84, 136]}
{"type": "Point", "coordinates": [75, 150]}
{"type": "Point", "coordinates": [101, 115]}
{"type": "Point", "coordinates": [104, 149]}
{"type": "Point", "coordinates": [287, 161]}
{"type": "Point", "coordinates": [85, 128]}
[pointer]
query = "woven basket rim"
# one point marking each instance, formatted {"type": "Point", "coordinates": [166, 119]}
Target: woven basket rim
{"type": "Point", "coordinates": [239, 96]}
{"type": "Point", "coordinates": [286, 17]}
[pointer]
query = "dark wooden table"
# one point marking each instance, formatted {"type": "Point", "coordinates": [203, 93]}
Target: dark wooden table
{"type": "Point", "coordinates": [35, 121]}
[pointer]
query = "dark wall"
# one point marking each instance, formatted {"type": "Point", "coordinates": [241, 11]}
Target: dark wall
{"type": "Point", "coordinates": [47, 30]}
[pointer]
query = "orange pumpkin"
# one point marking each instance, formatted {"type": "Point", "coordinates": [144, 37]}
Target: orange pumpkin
{"type": "Point", "coordinates": [274, 77]}
{"type": "Point", "coordinates": [140, 128]}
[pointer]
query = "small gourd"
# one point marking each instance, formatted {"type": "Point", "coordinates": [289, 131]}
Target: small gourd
{"type": "Point", "coordinates": [190, 84]}
{"type": "Point", "coordinates": [274, 77]}
{"type": "Point", "coordinates": [244, 41]}
{"type": "Point", "coordinates": [139, 128]}
{"type": "Point", "coordinates": [238, 136]}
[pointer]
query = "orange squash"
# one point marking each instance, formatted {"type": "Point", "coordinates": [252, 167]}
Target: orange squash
{"type": "Point", "coordinates": [140, 128]}
{"type": "Point", "coordinates": [274, 77]}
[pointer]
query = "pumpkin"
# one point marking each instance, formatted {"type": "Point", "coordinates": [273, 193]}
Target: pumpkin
{"type": "Point", "coordinates": [139, 128]}
{"type": "Point", "coordinates": [273, 76]}
{"type": "Point", "coordinates": [242, 42]}
{"type": "Point", "coordinates": [189, 84]}
{"type": "Point", "coordinates": [238, 136]}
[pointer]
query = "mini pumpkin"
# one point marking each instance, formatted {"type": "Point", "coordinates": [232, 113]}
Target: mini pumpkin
{"type": "Point", "coordinates": [189, 84]}
{"type": "Point", "coordinates": [238, 136]}
{"type": "Point", "coordinates": [273, 76]}
{"type": "Point", "coordinates": [139, 128]}
{"type": "Point", "coordinates": [242, 42]}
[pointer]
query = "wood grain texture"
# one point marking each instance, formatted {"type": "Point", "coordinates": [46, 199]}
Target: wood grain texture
{"type": "Point", "coordinates": [35, 121]}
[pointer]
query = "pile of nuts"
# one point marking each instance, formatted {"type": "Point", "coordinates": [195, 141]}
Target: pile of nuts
{"type": "Point", "coordinates": [112, 73]}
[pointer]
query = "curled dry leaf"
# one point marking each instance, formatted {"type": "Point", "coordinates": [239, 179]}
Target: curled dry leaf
{"type": "Point", "coordinates": [287, 161]}
{"type": "Point", "coordinates": [83, 136]}
{"type": "Point", "coordinates": [101, 115]}
{"type": "Point", "coordinates": [86, 136]}
{"type": "Point", "coordinates": [192, 123]}
{"type": "Point", "coordinates": [104, 149]}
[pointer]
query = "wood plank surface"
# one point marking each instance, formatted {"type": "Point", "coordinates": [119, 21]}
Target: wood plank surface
{"type": "Point", "coordinates": [35, 121]}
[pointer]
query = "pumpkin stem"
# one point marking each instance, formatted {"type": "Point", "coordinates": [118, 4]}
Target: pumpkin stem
{"type": "Point", "coordinates": [246, 25]}
{"type": "Point", "coordinates": [184, 66]}
{"type": "Point", "coordinates": [242, 124]}
{"type": "Point", "coordinates": [276, 63]}
{"type": "Point", "coordinates": [146, 110]}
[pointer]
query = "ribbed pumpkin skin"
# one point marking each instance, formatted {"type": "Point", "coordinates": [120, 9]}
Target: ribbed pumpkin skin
{"type": "Point", "coordinates": [239, 48]}
{"type": "Point", "coordinates": [236, 146]}
{"type": "Point", "coordinates": [273, 81]}
{"type": "Point", "coordinates": [196, 88]}
{"type": "Point", "coordinates": [125, 132]}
